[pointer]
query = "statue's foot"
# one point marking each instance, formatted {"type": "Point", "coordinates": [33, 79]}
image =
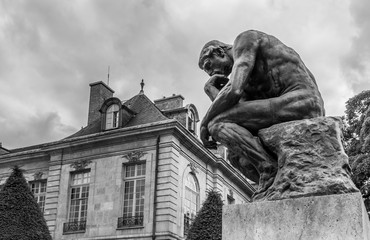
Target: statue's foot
{"type": "Point", "coordinates": [267, 178]}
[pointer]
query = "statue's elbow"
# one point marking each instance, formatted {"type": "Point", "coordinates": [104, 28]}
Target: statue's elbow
{"type": "Point", "coordinates": [236, 93]}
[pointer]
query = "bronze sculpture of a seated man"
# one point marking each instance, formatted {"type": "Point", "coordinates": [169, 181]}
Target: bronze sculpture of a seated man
{"type": "Point", "coordinates": [255, 83]}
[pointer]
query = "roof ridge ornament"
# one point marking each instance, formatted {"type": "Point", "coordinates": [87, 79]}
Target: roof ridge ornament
{"type": "Point", "coordinates": [142, 86]}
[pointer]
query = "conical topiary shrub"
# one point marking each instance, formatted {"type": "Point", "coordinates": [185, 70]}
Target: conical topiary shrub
{"type": "Point", "coordinates": [208, 222]}
{"type": "Point", "coordinates": [20, 215]}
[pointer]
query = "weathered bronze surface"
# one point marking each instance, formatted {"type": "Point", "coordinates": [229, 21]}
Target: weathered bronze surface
{"type": "Point", "coordinates": [255, 83]}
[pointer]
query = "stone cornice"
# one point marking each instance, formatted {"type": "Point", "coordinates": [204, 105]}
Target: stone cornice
{"type": "Point", "coordinates": [20, 156]}
{"type": "Point", "coordinates": [96, 137]}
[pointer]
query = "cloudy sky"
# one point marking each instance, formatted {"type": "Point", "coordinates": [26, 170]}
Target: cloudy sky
{"type": "Point", "coordinates": [51, 50]}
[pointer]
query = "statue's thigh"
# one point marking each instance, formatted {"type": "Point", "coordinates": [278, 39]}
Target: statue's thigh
{"type": "Point", "coordinates": [252, 115]}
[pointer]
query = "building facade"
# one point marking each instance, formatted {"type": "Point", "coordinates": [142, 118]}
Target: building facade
{"type": "Point", "coordinates": [136, 171]}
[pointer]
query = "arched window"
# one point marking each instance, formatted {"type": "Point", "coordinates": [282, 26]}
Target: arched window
{"type": "Point", "coordinates": [191, 201]}
{"type": "Point", "coordinates": [112, 117]}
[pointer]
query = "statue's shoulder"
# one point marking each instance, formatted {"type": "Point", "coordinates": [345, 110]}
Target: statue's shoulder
{"type": "Point", "coordinates": [253, 32]}
{"type": "Point", "coordinates": [249, 39]}
{"type": "Point", "coordinates": [250, 34]}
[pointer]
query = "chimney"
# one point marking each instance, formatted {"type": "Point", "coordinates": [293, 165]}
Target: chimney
{"type": "Point", "coordinates": [169, 103]}
{"type": "Point", "coordinates": [99, 92]}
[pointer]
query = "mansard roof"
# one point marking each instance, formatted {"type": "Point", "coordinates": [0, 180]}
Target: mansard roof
{"type": "Point", "coordinates": [146, 111]}
{"type": "Point", "coordinates": [143, 109]}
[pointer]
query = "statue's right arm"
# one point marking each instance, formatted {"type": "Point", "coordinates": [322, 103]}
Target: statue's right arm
{"type": "Point", "coordinates": [244, 54]}
{"type": "Point", "coordinates": [211, 91]}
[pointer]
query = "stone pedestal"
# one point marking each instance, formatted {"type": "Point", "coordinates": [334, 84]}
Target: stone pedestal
{"type": "Point", "coordinates": [339, 217]}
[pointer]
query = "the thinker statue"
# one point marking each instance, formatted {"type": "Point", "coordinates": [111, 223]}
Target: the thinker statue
{"type": "Point", "coordinates": [255, 83]}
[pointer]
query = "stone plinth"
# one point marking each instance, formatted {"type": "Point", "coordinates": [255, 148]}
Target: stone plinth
{"type": "Point", "coordinates": [311, 159]}
{"type": "Point", "coordinates": [339, 217]}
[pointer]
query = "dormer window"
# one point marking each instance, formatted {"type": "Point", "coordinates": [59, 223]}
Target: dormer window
{"type": "Point", "coordinates": [191, 122]}
{"type": "Point", "coordinates": [114, 114]}
{"type": "Point", "coordinates": [112, 117]}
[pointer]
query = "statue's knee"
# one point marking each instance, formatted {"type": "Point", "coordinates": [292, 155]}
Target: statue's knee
{"type": "Point", "coordinates": [213, 129]}
{"type": "Point", "coordinates": [312, 107]}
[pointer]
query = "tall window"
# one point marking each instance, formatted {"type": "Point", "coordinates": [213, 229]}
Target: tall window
{"type": "Point", "coordinates": [112, 117]}
{"type": "Point", "coordinates": [79, 194]}
{"type": "Point", "coordinates": [38, 188]}
{"type": "Point", "coordinates": [191, 200]}
{"type": "Point", "coordinates": [133, 196]}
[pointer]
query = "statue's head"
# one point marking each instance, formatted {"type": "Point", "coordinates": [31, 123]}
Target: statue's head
{"type": "Point", "coordinates": [216, 58]}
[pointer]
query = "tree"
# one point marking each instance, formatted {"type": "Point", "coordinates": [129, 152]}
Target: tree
{"type": "Point", "coordinates": [208, 222]}
{"type": "Point", "coordinates": [355, 115]}
{"type": "Point", "coordinates": [20, 215]}
{"type": "Point", "coordinates": [357, 141]}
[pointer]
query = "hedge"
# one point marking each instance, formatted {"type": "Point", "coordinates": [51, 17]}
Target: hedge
{"type": "Point", "coordinates": [20, 215]}
{"type": "Point", "coordinates": [208, 222]}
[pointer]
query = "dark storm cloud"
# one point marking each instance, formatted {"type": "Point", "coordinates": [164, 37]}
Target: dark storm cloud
{"type": "Point", "coordinates": [46, 49]}
{"type": "Point", "coordinates": [356, 64]}
{"type": "Point", "coordinates": [58, 48]}
{"type": "Point", "coordinates": [40, 126]}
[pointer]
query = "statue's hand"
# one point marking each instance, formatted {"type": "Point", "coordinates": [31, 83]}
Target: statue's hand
{"type": "Point", "coordinates": [214, 85]}
{"type": "Point", "coordinates": [218, 81]}
{"type": "Point", "coordinates": [204, 136]}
